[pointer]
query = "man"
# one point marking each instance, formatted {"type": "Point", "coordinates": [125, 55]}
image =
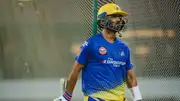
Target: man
{"type": "Point", "coordinates": [105, 62]}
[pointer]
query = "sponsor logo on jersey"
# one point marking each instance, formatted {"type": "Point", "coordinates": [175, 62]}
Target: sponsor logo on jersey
{"type": "Point", "coordinates": [102, 50]}
{"type": "Point", "coordinates": [113, 62]}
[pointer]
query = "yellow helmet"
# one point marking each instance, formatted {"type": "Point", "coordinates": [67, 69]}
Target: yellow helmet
{"type": "Point", "coordinates": [104, 21]}
{"type": "Point", "coordinates": [110, 9]}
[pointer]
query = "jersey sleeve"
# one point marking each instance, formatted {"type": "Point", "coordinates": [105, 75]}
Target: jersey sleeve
{"type": "Point", "coordinates": [129, 64]}
{"type": "Point", "coordinates": [82, 57]}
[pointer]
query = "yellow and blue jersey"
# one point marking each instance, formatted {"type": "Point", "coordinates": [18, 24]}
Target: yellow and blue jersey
{"type": "Point", "coordinates": [106, 65]}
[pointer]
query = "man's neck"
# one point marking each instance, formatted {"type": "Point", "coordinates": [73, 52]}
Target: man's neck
{"type": "Point", "coordinates": [109, 35]}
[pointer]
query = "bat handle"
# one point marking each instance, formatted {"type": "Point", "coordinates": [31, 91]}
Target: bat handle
{"type": "Point", "coordinates": [62, 85]}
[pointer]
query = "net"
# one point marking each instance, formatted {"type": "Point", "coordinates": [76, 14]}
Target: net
{"type": "Point", "coordinates": [39, 39]}
{"type": "Point", "coordinates": [152, 35]}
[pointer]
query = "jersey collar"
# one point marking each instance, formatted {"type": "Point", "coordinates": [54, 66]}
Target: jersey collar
{"type": "Point", "coordinates": [116, 40]}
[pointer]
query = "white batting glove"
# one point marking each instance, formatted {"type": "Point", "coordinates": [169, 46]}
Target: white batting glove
{"type": "Point", "coordinates": [61, 98]}
{"type": "Point", "coordinates": [65, 97]}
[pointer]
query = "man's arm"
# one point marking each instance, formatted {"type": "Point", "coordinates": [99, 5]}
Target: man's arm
{"type": "Point", "coordinates": [73, 77]}
{"type": "Point", "coordinates": [131, 78]}
{"type": "Point", "coordinates": [81, 60]}
{"type": "Point", "coordinates": [132, 84]}
{"type": "Point", "coordinates": [71, 82]}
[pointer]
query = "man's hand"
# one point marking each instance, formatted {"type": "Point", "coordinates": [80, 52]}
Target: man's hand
{"type": "Point", "coordinates": [65, 97]}
{"type": "Point", "coordinates": [61, 98]}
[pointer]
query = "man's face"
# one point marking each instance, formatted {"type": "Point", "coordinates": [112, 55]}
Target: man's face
{"type": "Point", "coordinates": [116, 18]}
{"type": "Point", "coordinates": [115, 22]}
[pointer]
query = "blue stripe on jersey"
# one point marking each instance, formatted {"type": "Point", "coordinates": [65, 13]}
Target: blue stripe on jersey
{"type": "Point", "coordinates": [94, 99]}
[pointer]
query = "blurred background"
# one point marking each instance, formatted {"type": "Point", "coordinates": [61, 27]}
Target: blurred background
{"type": "Point", "coordinates": [39, 40]}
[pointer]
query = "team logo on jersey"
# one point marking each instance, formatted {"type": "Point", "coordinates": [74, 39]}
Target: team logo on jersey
{"type": "Point", "coordinates": [122, 53]}
{"type": "Point", "coordinates": [102, 50]}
